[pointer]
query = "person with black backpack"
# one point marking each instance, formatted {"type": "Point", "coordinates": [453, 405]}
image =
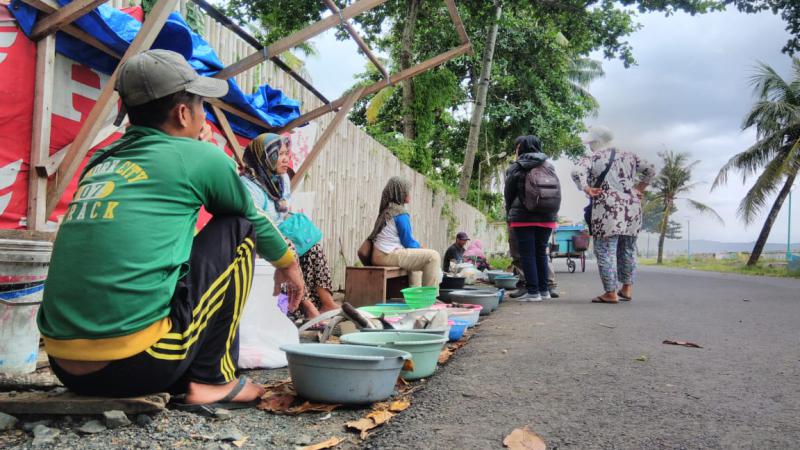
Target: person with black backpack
{"type": "Point", "coordinates": [532, 199]}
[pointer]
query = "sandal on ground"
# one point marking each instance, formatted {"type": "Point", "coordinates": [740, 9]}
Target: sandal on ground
{"type": "Point", "coordinates": [623, 297]}
{"type": "Point", "coordinates": [210, 409]}
{"type": "Point", "coordinates": [600, 299]}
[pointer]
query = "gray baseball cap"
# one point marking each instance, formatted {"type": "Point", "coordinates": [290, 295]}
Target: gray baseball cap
{"type": "Point", "coordinates": [153, 74]}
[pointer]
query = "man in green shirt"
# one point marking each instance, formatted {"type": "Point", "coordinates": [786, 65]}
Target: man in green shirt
{"type": "Point", "coordinates": [135, 302]}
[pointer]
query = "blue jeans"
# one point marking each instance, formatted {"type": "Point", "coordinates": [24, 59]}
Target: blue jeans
{"type": "Point", "coordinates": [533, 243]}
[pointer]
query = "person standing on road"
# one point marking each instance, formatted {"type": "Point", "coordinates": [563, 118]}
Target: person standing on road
{"type": "Point", "coordinates": [532, 199]}
{"type": "Point", "coordinates": [616, 212]}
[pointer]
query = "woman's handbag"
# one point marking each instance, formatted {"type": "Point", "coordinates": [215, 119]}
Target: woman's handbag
{"type": "Point", "coordinates": [301, 231]}
{"type": "Point", "coordinates": [365, 252]}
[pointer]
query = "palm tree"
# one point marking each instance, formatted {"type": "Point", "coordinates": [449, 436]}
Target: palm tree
{"type": "Point", "coordinates": [671, 184]}
{"type": "Point", "coordinates": [776, 118]}
{"type": "Point", "coordinates": [582, 71]}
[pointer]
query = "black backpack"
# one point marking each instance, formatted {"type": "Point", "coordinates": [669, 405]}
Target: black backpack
{"type": "Point", "coordinates": [542, 190]}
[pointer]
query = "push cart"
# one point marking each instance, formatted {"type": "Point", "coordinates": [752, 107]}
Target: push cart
{"type": "Point", "coordinates": [570, 242]}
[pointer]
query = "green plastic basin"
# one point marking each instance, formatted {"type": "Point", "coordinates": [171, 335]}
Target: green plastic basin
{"type": "Point", "coordinates": [388, 309]}
{"type": "Point", "coordinates": [420, 297]}
{"type": "Point", "coordinates": [424, 348]}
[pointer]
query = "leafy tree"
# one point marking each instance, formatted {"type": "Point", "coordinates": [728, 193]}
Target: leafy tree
{"type": "Point", "coordinates": [776, 119]}
{"type": "Point", "coordinates": [671, 184]}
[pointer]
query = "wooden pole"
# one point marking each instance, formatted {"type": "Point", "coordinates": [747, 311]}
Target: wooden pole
{"type": "Point", "coordinates": [377, 86]}
{"type": "Point", "coordinates": [356, 37]}
{"type": "Point", "coordinates": [47, 7]}
{"type": "Point", "coordinates": [106, 104]}
{"type": "Point", "coordinates": [238, 113]}
{"type": "Point", "coordinates": [49, 166]}
{"type": "Point", "coordinates": [349, 101]}
{"type": "Point", "coordinates": [299, 37]}
{"type": "Point", "coordinates": [238, 153]}
{"type": "Point", "coordinates": [63, 16]}
{"type": "Point", "coordinates": [456, 18]}
{"type": "Point", "coordinates": [40, 141]}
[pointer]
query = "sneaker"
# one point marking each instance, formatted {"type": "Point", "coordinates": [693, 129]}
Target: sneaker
{"type": "Point", "coordinates": [529, 298]}
{"type": "Point", "coordinates": [545, 295]}
{"type": "Point", "coordinates": [554, 294]}
{"type": "Point", "coordinates": [518, 293]}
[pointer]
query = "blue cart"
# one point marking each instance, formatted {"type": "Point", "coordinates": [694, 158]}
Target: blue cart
{"type": "Point", "coordinates": [563, 245]}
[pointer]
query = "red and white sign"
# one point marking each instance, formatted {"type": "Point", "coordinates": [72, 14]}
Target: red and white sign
{"type": "Point", "coordinates": [77, 90]}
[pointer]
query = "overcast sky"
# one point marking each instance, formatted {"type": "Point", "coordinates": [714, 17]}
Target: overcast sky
{"type": "Point", "coordinates": [689, 92]}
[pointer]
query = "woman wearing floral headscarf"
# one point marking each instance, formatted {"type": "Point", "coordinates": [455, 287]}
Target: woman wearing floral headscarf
{"type": "Point", "coordinates": [267, 164]}
{"type": "Point", "coordinates": [393, 243]}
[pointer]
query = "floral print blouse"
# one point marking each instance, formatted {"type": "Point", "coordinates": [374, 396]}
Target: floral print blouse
{"type": "Point", "coordinates": [618, 210]}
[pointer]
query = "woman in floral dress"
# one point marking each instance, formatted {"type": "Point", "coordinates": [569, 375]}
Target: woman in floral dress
{"type": "Point", "coordinates": [616, 218]}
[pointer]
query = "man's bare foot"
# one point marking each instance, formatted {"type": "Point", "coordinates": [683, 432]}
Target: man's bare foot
{"type": "Point", "coordinates": [199, 393]}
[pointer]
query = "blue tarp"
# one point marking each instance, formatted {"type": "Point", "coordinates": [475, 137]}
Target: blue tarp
{"type": "Point", "coordinates": [116, 30]}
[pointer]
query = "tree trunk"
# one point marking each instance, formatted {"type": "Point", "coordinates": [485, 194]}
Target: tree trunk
{"type": "Point", "coordinates": [480, 103]}
{"type": "Point", "coordinates": [663, 231]}
{"type": "Point", "coordinates": [406, 59]}
{"type": "Point", "coordinates": [773, 214]}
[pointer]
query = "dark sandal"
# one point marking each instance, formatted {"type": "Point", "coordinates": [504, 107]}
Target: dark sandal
{"type": "Point", "coordinates": [623, 297]}
{"type": "Point", "coordinates": [600, 299]}
{"type": "Point", "coordinates": [210, 409]}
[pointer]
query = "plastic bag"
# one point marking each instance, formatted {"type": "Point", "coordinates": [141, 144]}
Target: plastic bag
{"type": "Point", "coordinates": [470, 274]}
{"type": "Point", "coordinates": [264, 328]}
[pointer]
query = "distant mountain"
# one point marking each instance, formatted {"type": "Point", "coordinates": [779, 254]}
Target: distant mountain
{"type": "Point", "coordinates": [678, 246]}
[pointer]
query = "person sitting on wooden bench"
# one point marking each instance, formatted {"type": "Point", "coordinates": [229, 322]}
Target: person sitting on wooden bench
{"type": "Point", "coordinates": [134, 302]}
{"type": "Point", "coordinates": [393, 243]}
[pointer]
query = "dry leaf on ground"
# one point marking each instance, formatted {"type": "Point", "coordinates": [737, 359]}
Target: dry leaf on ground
{"type": "Point", "coordinates": [683, 343]}
{"type": "Point", "coordinates": [277, 403]}
{"type": "Point", "coordinates": [279, 385]}
{"type": "Point", "coordinates": [524, 439]}
{"type": "Point", "coordinates": [445, 355]}
{"type": "Point", "coordinates": [408, 365]}
{"type": "Point", "coordinates": [281, 396]}
{"type": "Point", "coordinates": [399, 405]}
{"type": "Point", "coordinates": [313, 407]}
{"type": "Point", "coordinates": [370, 421]}
{"type": "Point", "coordinates": [240, 442]}
{"type": "Point", "coordinates": [330, 443]}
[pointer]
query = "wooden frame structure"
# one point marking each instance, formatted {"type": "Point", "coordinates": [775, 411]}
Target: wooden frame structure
{"type": "Point", "coordinates": [44, 194]}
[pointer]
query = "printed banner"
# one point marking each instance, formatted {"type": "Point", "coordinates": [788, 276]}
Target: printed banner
{"type": "Point", "coordinates": [78, 88]}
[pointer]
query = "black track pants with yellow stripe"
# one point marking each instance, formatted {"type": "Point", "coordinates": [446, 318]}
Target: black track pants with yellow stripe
{"type": "Point", "coordinates": [203, 343]}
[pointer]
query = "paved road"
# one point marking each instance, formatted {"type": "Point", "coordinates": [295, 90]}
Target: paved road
{"type": "Point", "coordinates": [576, 381]}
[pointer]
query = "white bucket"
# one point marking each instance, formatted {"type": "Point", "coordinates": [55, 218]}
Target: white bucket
{"type": "Point", "coordinates": [23, 269]}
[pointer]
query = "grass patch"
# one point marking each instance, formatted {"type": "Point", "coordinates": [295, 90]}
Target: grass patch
{"type": "Point", "coordinates": [768, 268]}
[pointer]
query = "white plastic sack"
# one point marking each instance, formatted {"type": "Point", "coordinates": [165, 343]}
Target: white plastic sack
{"type": "Point", "coordinates": [264, 328]}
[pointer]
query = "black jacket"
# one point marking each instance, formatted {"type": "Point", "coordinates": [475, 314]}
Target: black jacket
{"type": "Point", "coordinates": [515, 187]}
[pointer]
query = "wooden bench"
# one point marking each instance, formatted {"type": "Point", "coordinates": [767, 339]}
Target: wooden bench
{"type": "Point", "coordinates": [373, 284]}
